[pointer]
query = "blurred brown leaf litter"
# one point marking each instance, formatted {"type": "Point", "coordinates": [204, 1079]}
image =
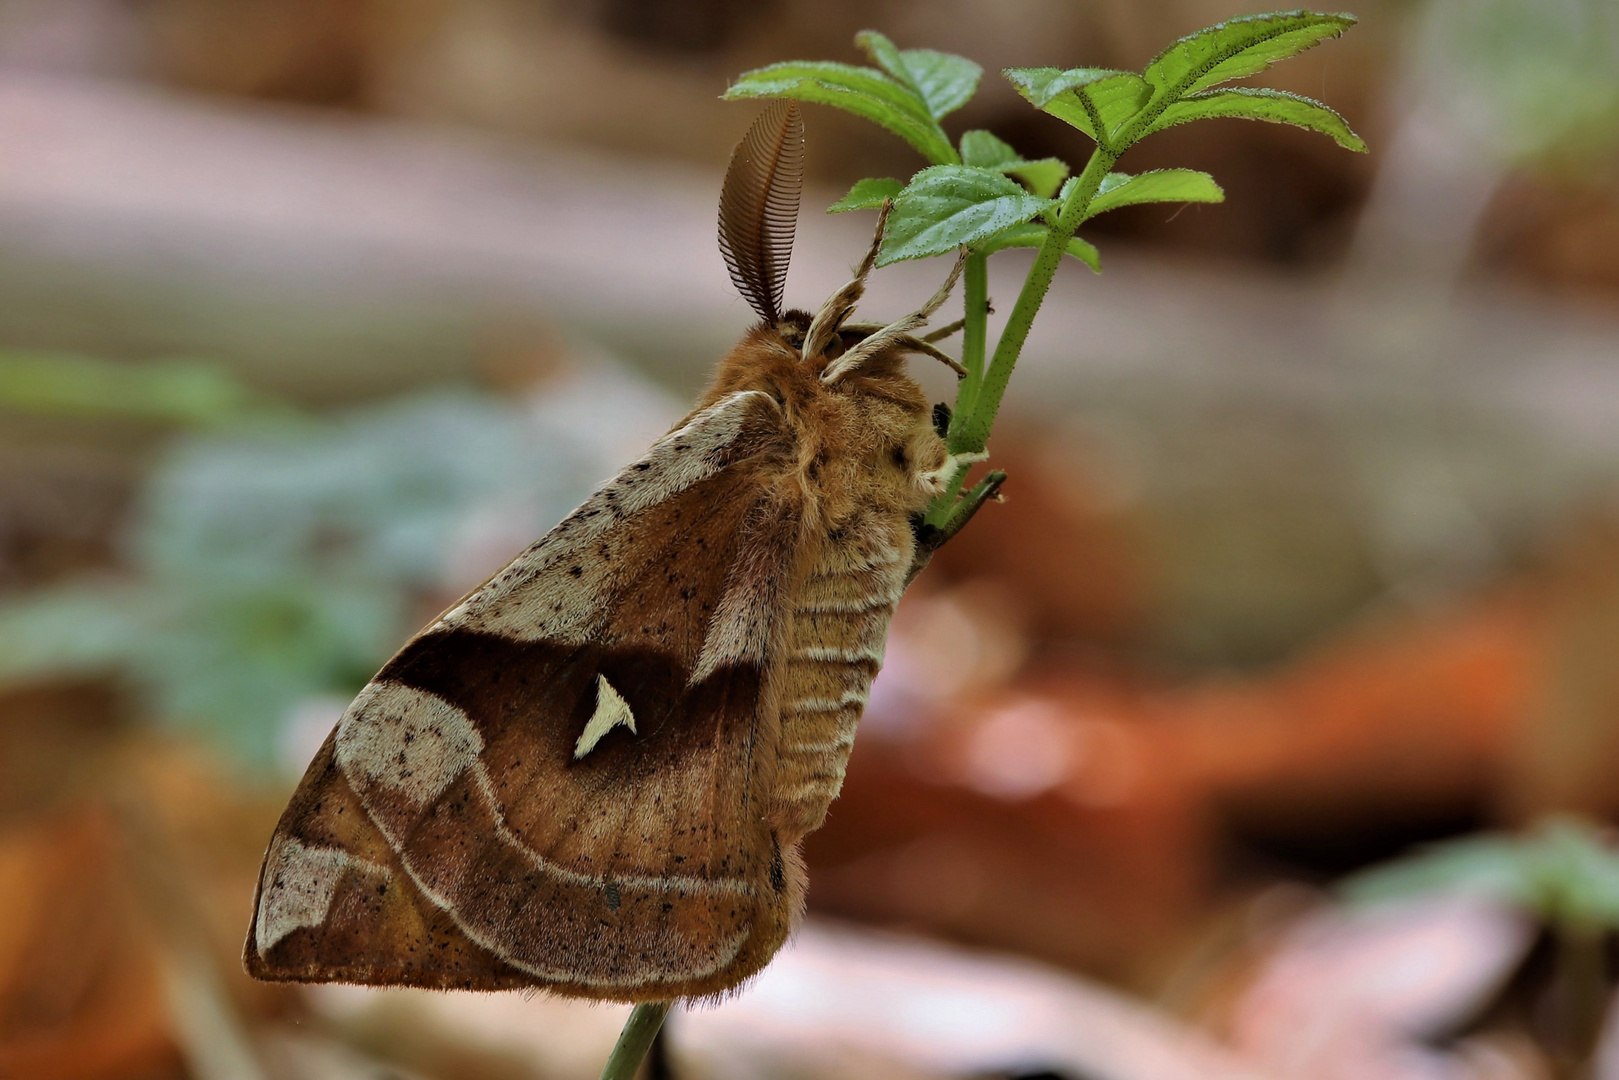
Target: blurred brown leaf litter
{"type": "Point", "coordinates": [107, 911]}
{"type": "Point", "coordinates": [82, 991]}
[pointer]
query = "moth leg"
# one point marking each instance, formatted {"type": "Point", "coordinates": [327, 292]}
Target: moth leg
{"type": "Point", "coordinates": [956, 461]}
{"type": "Point", "coordinates": [936, 301]}
{"type": "Point", "coordinates": [923, 346]}
{"type": "Point", "coordinates": [930, 538]}
{"type": "Point", "coordinates": [900, 331]}
{"type": "Point", "coordinates": [837, 307]}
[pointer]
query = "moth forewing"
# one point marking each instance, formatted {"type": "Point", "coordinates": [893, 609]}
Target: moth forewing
{"type": "Point", "coordinates": [644, 868]}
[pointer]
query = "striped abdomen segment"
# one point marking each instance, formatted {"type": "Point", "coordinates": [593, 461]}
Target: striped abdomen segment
{"type": "Point", "coordinates": [839, 624]}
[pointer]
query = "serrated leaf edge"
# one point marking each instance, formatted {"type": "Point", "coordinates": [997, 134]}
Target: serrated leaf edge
{"type": "Point", "coordinates": [1345, 18]}
{"type": "Point", "coordinates": [1105, 189]}
{"type": "Point", "coordinates": [1356, 144]}
{"type": "Point", "coordinates": [839, 207]}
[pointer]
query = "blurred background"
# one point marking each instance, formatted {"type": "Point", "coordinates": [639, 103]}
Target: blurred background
{"type": "Point", "coordinates": [1269, 729]}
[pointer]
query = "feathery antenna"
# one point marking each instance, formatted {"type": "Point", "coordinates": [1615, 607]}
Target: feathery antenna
{"type": "Point", "coordinates": [759, 206]}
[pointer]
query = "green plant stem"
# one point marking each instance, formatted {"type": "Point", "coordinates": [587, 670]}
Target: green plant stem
{"type": "Point", "coordinates": [974, 434]}
{"type": "Point", "coordinates": [974, 331]}
{"type": "Point", "coordinates": [975, 414]}
{"type": "Point", "coordinates": [635, 1040]}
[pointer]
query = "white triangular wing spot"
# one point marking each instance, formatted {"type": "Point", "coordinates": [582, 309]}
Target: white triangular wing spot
{"type": "Point", "coordinates": [611, 711]}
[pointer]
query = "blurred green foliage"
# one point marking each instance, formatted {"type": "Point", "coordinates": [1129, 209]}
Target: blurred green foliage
{"type": "Point", "coordinates": [175, 391]}
{"type": "Point", "coordinates": [274, 556]}
{"type": "Point", "coordinates": [1531, 77]}
{"type": "Point", "coordinates": [1565, 873]}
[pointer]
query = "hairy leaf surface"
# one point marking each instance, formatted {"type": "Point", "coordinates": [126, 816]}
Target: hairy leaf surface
{"type": "Point", "coordinates": [1097, 101]}
{"type": "Point", "coordinates": [1043, 176]}
{"type": "Point", "coordinates": [987, 150]}
{"type": "Point", "coordinates": [864, 91]}
{"type": "Point", "coordinates": [1238, 48]}
{"type": "Point", "coordinates": [1032, 235]}
{"type": "Point", "coordinates": [1157, 186]}
{"type": "Point", "coordinates": [868, 194]}
{"type": "Point", "coordinates": [948, 206]}
{"type": "Point", "coordinates": [1275, 106]}
{"type": "Point", "coordinates": [943, 81]}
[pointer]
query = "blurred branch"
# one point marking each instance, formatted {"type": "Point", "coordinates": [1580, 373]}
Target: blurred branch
{"type": "Point", "coordinates": [207, 1025]}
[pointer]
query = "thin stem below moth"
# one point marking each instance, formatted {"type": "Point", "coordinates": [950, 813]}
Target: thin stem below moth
{"type": "Point", "coordinates": [975, 319]}
{"type": "Point", "coordinates": [635, 1040]}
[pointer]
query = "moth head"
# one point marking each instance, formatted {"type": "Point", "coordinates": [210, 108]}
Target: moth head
{"type": "Point", "coordinates": [882, 449]}
{"type": "Point", "coordinates": [794, 329]}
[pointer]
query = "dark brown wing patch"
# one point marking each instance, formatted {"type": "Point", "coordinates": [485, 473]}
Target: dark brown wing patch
{"type": "Point", "coordinates": [759, 206]}
{"type": "Point", "coordinates": [635, 872]}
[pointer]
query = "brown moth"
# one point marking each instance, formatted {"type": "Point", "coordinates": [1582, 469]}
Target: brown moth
{"type": "Point", "coordinates": [592, 774]}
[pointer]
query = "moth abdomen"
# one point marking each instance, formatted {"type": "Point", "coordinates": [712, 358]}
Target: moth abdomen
{"type": "Point", "coordinates": [834, 648]}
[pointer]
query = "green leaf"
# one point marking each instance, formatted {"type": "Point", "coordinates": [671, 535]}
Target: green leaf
{"type": "Point", "coordinates": [1481, 866]}
{"type": "Point", "coordinates": [864, 91]}
{"type": "Point", "coordinates": [868, 194]}
{"type": "Point", "coordinates": [1565, 873]}
{"type": "Point", "coordinates": [1049, 90]}
{"type": "Point", "coordinates": [1116, 100]}
{"type": "Point", "coordinates": [943, 81]}
{"type": "Point", "coordinates": [948, 206]}
{"type": "Point", "coordinates": [1276, 106]}
{"type": "Point", "coordinates": [1238, 48]}
{"type": "Point", "coordinates": [1043, 85]}
{"type": "Point", "coordinates": [1157, 186]}
{"type": "Point", "coordinates": [1043, 176]}
{"type": "Point", "coordinates": [985, 150]}
{"type": "Point", "coordinates": [1033, 236]}
{"type": "Point", "coordinates": [1097, 101]}
{"type": "Point", "coordinates": [1579, 875]}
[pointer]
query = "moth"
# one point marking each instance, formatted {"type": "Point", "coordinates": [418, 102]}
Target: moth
{"type": "Point", "coordinates": [592, 774]}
